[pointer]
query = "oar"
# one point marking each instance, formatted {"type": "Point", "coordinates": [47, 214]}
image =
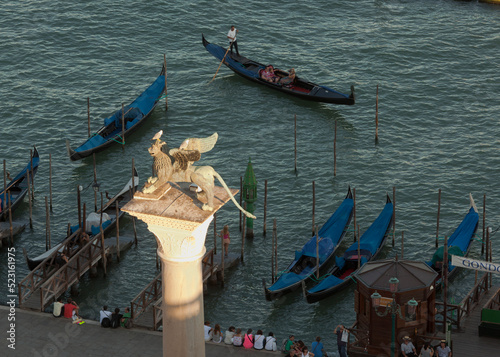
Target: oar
{"type": "Point", "coordinates": [220, 64]}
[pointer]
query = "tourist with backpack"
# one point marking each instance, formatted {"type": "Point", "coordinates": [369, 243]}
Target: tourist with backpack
{"type": "Point", "coordinates": [105, 317]}
{"type": "Point", "coordinates": [287, 345]}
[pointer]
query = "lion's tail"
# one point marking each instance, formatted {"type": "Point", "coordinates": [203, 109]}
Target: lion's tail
{"type": "Point", "coordinates": [248, 214]}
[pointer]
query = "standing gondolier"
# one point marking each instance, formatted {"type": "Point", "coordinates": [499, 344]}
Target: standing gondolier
{"type": "Point", "coordinates": [231, 35]}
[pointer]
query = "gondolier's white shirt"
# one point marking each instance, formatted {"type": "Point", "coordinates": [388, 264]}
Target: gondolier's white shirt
{"type": "Point", "coordinates": [232, 34]}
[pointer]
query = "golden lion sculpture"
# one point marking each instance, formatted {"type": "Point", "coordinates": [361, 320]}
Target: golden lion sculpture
{"type": "Point", "coordinates": [176, 165]}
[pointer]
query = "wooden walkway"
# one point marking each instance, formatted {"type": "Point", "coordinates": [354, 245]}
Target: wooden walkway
{"type": "Point", "coordinates": [146, 307]}
{"type": "Point", "coordinates": [467, 341]}
{"type": "Point", "coordinates": [44, 284]}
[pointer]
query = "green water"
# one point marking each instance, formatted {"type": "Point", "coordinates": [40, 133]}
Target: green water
{"type": "Point", "coordinates": [436, 64]}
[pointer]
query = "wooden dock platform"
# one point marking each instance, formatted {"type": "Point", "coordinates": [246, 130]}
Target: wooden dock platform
{"type": "Point", "coordinates": [467, 341]}
{"type": "Point", "coordinates": [44, 283]}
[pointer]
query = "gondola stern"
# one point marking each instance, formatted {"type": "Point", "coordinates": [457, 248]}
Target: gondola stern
{"type": "Point", "coordinates": [71, 152]}
{"type": "Point", "coordinates": [349, 192]}
{"type": "Point", "coordinates": [204, 40]}
{"type": "Point", "coordinates": [352, 95]}
{"type": "Point", "coordinates": [35, 152]}
{"type": "Point", "coordinates": [267, 293]}
{"type": "Point", "coordinates": [472, 203]}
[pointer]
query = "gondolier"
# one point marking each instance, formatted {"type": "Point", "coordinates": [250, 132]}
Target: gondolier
{"type": "Point", "coordinates": [231, 35]}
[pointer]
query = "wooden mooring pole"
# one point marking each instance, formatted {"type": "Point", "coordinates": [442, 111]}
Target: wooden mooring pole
{"type": "Point", "coordinates": [95, 183]}
{"type": "Point", "coordinates": [215, 236]}
{"type": "Point", "coordinates": [222, 254]}
{"type": "Point", "coordinates": [484, 223]}
{"type": "Point", "coordinates": [359, 249]}
{"type": "Point", "coordinates": [272, 258]}
{"type": "Point", "coordinates": [133, 178]}
{"type": "Point", "coordinates": [123, 126]}
{"type": "Point", "coordinates": [28, 178]}
{"type": "Point", "coordinates": [335, 151]}
{"type": "Point", "coordinates": [47, 225]}
{"type": "Point", "coordinates": [133, 219]}
{"type": "Point", "coordinates": [265, 209]}
{"type": "Point", "coordinates": [32, 175]}
{"type": "Point", "coordinates": [50, 181]}
{"type": "Point", "coordinates": [376, 118]}
{"type": "Point", "coordinates": [117, 231]}
{"type": "Point", "coordinates": [11, 229]}
{"type": "Point", "coordinates": [444, 278]}
{"type": "Point", "coordinates": [295, 140]}
{"type": "Point", "coordinates": [439, 211]}
{"type": "Point", "coordinates": [313, 207]}
{"type": "Point", "coordinates": [354, 209]}
{"type": "Point", "coordinates": [79, 206]}
{"type": "Point", "coordinates": [4, 203]}
{"type": "Point", "coordinates": [241, 198]}
{"type": "Point", "coordinates": [103, 249]}
{"type": "Point", "coordinates": [83, 226]}
{"type": "Point", "coordinates": [317, 253]}
{"type": "Point", "coordinates": [394, 216]}
{"type": "Point", "coordinates": [243, 237]}
{"type": "Point", "coordinates": [88, 114]}
{"type": "Point", "coordinates": [275, 231]}
{"type": "Point", "coordinates": [166, 94]}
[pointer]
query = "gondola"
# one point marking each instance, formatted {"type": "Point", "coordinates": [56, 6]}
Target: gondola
{"type": "Point", "coordinates": [18, 187]}
{"type": "Point", "coordinates": [133, 115]}
{"type": "Point", "coordinates": [459, 242]}
{"type": "Point", "coordinates": [301, 88]}
{"type": "Point", "coordinates": [370, 245]}
{"type": "Point", "coordinates": [92, 223]}
{"type": "Point", "coordinates": [305, 263]}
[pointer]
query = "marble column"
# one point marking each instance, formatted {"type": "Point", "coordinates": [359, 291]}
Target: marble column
{"type": "Point", "coordinates": [174, 215]}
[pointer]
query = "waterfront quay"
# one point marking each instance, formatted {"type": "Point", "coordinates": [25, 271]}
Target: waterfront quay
{"type": "Point", "coordinates": [40, 334]}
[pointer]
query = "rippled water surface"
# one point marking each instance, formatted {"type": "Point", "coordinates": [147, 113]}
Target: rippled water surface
{"type": "Point", "coordinates": [436, 65]}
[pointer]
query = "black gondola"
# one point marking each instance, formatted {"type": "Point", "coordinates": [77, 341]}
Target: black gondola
{"type": "Point", "coordinates": [301, 88]}
{"type": "Point", "coordinates": [132, 115]}
{"type": "Point", "coordinates": [18, 187]}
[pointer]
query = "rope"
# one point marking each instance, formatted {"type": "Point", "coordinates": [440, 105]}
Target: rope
{"type": "Point", "coordinates": [119, 142]}
{"type": "Point", "coordinates": [313, 277]}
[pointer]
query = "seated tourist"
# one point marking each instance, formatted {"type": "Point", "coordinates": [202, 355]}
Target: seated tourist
{"type": "Point", "coordinates": [238, 338]}
{"type": "Point", "coordinates": [58, 308]}
{"type": "Point", "coordinates": [105, 317]}
{"type": "Point", "coordinates": [207, 331]}
{"type": "Point", "coordinates": [259, 340]}
{"type": "Point", "coordinates": [228, 340]}
{"type": "Point", "coordinates": [71, 310]}
{"type": "Point", "coordinates": [268, 75]}
{"type": "Point", "coordinates": [271, 342]}
{"type": "Point", "coordinates": [248, 339]}
{"type": "Point", "coordinates": [116, 318]}
{"type": "Point", "coordinates": [126, 320]}
{"type": "Point", "coordinates": [288, 79]}
{"type": "Point", "coordinates": [217, 334]}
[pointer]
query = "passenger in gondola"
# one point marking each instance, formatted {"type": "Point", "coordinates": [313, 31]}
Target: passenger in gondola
{"type": "Point", "coordinates": [268, 75]}
{"type": "Point", "coordinates": [288, 80]}
{"type": "Point", "coordinates": [83, 239]}
{"type": "Point", "coordinates": [60, 259]}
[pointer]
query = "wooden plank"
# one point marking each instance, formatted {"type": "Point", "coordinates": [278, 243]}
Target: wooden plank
{"type": "Point", "coordinates": [467, 342]}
